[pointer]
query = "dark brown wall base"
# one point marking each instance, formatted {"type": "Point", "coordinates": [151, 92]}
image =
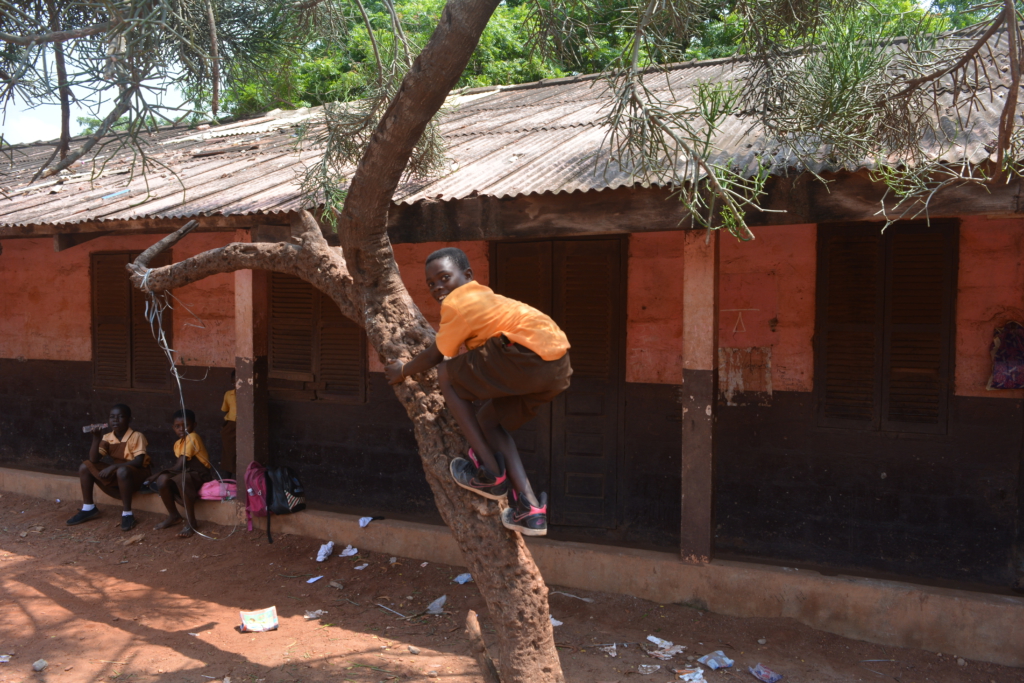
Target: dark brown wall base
{"type": "Point", "coordinates": [363, 459]}
{"type": "Point", "coordinates": [917, 505]}
{"type": "Point", "coordinates": [44, 404]}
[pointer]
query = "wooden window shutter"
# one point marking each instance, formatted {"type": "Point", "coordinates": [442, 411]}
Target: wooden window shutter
{"type": "Point", "coordinates": [315, 351]}
{"type": "Point", "coordinates": [342, 366]}
{"type": "Point", "coordinates": [111, 315]}
{"type": "Point", "coordinates": [849, 309]}
{"type": "Point", "coordinates": [125, 354]}
{"type": "Point", "coordinates": [292, 315]}
{"type": "Point", "coordinates": [916, 370]}
{"type": "Point", "coordinates": [150, 368]}
{"type": "Point", "coordinates": [885, 310]}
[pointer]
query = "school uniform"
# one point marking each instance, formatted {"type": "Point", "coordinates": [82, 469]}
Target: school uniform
{"type": "Point", "coordinates": [121, 451]}
{"type": "Point", "coordinates": [197, 467]}
{"type": "Point", "coordinates": [518, 357]}
{"type": "Point", "coordinates": [228, 457]}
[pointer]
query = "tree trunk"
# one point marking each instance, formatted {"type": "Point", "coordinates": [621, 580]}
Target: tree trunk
{"type": "Point", "coordinates": [63, 89]}
{"type": "Point", "coordinates": [363, 279]}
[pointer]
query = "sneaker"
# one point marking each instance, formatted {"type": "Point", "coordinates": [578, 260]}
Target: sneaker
{"type": "Point", "coordinates": [522, 517]}
{"type": "Point", "coordinates": [472, 475]}
{"type": "Point", "coordinates": [83, 516]}
{"type": "Point", "coordinates": [128, 522]}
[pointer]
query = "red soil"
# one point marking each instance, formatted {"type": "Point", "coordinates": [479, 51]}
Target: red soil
{"type": "Point", "coordinates": [166, 609]}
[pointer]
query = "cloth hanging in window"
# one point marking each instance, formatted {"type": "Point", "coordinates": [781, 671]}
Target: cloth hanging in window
{"type": "Point", "coordinates": [1007, 357]}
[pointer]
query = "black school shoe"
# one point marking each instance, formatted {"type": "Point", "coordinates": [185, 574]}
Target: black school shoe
{"type": "Point", "coordinates": [128, 522]}
{"type": "Point", "coordinates": [522, 517]}
{"type": "Point", "coordinates": [83, 516]}
{"type": "Point", "coordinates": [473, 476]}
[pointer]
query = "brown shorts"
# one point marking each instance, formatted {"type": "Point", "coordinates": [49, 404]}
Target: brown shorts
{"type": "Point", "coordinates": [196, 474]}
{"type": "Point", "coordinates": [109, 484]}
{"type": "Point", "coordinates": [515, 379]}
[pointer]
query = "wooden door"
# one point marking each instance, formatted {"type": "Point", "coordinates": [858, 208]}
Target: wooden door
{"type": "Point", "coordinates": [523, 273]}
{"type": "Point", "coordinates": [571, 449]}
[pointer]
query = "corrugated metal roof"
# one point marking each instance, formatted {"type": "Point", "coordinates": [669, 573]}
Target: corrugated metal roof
{"type": "Point", "coordinates": [504, 142]}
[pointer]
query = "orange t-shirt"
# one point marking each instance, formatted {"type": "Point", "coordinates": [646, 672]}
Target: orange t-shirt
{"type": "Point", "coordinates": [473, 313]}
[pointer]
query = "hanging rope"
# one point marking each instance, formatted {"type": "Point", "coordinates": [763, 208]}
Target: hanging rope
{"type": "Point", "coordinates": [156, 305]}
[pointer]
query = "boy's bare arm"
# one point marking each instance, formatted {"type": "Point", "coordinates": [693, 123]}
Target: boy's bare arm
{"type": "Point", "coordinates": [397, 371]}
{"type": "Point", "coordinates": [138, 460]}
{"type": "Point", "coordinates": [94, 449]}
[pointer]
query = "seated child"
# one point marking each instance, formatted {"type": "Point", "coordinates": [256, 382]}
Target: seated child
{"type": "Point", "coordinates": [517, 361]}
{"type": "Point", "coordinates": [127, 448]}
{"type": "Point", "coordinates": [182, 481]}
{"type": "Point", "coordinates": [228, 451]}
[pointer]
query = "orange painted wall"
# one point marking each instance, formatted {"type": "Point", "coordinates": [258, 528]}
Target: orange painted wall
{"type": "Point", "coordinates": [990, 293]}
{"type": "Point", "coordinates": [654, 308]}
{"type": "Point", "coordinates": [45, 309]}
{"type": "Point", "coordinates": [771, 278]}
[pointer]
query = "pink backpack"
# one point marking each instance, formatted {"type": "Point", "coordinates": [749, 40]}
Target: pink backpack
{"type": "Point", "coordinates": [256, 495]}
{"type": "Point", "coordinates": [219, 489]}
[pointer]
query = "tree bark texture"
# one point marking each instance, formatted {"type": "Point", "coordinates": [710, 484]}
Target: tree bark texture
{"type": "Point", "coordinates": [362, 278]}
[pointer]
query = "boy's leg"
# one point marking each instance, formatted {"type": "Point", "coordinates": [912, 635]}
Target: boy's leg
{"type": "Point", "coordinates": [465, 415]}
{"type": "Point", "coordinates": [86, 480]}
{"type": "Point", "coordinates": [502, 441]}
{"type": "Point", "coordinates": [89, 509]}
{"type": "Point", "coordinates": [126, 487]}
{"type": "Point", "coordinates": [191, 522]}
{"type": "Point", "coordinates": [164, 485]}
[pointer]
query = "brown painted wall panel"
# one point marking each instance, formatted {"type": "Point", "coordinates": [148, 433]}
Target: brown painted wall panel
{"type": "Point", "coordinates": [918, 505]}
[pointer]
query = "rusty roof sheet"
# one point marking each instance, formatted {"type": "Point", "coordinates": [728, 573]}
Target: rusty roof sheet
{"type": "Point", "coordinates": [535, 138]}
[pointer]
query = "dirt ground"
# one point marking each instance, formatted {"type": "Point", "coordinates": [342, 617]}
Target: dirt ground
{"type": "Point", "coordinates": [165, 609]}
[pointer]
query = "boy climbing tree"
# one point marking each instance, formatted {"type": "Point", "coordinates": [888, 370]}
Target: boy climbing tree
{"type": "Point", "coordinates": [517, 360]}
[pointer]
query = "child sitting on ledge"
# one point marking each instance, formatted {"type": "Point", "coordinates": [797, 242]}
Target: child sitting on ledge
{"type": "Point", "coordinates": [182, 481]}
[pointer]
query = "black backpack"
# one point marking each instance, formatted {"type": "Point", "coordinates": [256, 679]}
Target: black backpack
{"type": "Point", "coordinates": [285, 493]}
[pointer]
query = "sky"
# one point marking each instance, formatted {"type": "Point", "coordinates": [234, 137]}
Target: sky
{"type": "Point", "coordinates": [42, 123]}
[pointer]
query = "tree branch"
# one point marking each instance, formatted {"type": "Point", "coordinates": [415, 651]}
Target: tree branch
{"type": "Point", "coordinates": [311, 260]}
{"type": "Point", "coordinates": [58, 36]}
{"type": "Point", "coordinates": [123, 105]}
{"type": "Point", "coordinates": [970, 54]}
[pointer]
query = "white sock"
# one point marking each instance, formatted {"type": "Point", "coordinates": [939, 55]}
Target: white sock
{"type": "Point", "coordinates": [87, 507]}
{"type": "Point", "coordinates": [126, 513]}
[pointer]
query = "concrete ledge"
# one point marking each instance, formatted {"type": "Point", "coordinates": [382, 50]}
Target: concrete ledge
{"type": "Point", "coordinates": [973, 625]}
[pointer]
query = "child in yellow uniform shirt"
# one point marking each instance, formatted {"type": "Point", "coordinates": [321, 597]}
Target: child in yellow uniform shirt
{"type": "Point", "coordinates": [181, 482]}
{"type": "Point", "coordinates": [227, 432]}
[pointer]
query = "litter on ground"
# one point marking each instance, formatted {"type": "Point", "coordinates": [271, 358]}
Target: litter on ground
{"type": "Point", "coordinates": [363, 521]}
{"type": "Point", "coordinates": [611, 650]}
{"type": "Point", "coordinates": [314, 579]}
{"type": "Point", "coordinates": [666, 649]}
{"type": "Point", "coordinates": [4, 659]}
{"type": "Point", "coordinates": [259, 620]}
{"type": "Point", "coordinates": [462, 579]}
{"type": "Point", "coordinates": [349, 551]}
{"type": "Point", "coordinates": [325, 551]}
{"type": "Point", "coordinates": [648, 669]}
{"type": "Point", "coordinates": [315, 614]}
{"type": "Point", "coordinates": [555, 622]}
{"type": "Point", "coordinates": [716, 660]}
{"type": "Point", "coordinates": [570, 595]}
{"type": "Point", "coordinates": [362, 566]}
{"type": "Point", "coordinates": [436, 607]}
{"type": "Point", "coordinates": [763, 673]}
{"type": "Point", "coordinates": [691, 675]}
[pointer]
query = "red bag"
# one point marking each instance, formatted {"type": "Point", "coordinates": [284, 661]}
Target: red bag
{"type": "Point", "coordinates": [256, 495]}
{"type": "Point", "coordinates": [223, 489]}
